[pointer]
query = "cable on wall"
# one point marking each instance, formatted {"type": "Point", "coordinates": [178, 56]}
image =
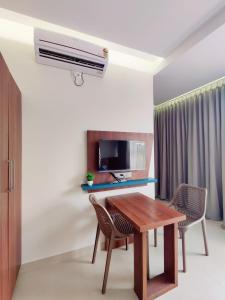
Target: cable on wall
{"type": "Point", "coordinates": [78, 78]}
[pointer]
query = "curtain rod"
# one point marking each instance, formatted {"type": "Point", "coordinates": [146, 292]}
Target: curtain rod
{"type": "Point", "coordinates": [200, 89]}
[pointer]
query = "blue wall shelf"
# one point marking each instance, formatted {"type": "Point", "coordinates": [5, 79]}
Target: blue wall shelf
{"type": "Point", "coordinates": [128, 183]}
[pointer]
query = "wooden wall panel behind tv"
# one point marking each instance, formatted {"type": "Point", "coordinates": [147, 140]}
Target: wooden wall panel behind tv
{"type": "Point", "coordinates": [93, 138]}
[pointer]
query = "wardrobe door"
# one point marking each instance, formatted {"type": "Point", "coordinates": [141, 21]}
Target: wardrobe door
{"type": "Point", "coordinates": [4, 261]}
{"type": "Point", "coordinates": [14, 182]}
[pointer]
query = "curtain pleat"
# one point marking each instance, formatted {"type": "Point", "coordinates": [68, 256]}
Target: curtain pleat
{"type": "Point", "coordinates": [190, 147]}
{"type": "Point", "coordinates": [223, 148]}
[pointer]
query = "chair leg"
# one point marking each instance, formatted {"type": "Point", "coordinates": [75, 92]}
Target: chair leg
{"type": "Point", "coordinates": [155, 238]}
{"type": "Point", "coordinates": [182, 232]}
{"type": "Point", "coordinates": [179, 234]}
{"type": "Point", "coordinates": [127, 247]}
{"type": "Point", "coordinates": [108, 259]}
{"type": "Point", "coordinates": [148, 271]}
{"type": "Point", "coordinates": [96, 244]}
{"type": "Point", "coordinates": [204, 236]}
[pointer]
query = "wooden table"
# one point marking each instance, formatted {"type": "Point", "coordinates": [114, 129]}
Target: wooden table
{"type": "Point", "coordinates": [145, 214]}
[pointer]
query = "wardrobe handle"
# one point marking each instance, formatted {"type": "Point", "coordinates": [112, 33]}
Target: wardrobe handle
{"type": "Point", "coordinates": [11, 175]}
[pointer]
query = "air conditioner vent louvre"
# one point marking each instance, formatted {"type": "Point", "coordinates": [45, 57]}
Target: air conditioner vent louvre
{"type": "Point", "coordinates": [70, 59]}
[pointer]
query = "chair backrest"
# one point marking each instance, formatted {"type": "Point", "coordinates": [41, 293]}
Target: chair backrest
{"type": "Point", "coordinates": [104, 219]}
{"type": "Point", "coordinates": [191, 200]}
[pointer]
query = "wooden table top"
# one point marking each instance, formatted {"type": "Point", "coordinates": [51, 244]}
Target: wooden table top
{"type": "Point", "coordinates": [143, 212]}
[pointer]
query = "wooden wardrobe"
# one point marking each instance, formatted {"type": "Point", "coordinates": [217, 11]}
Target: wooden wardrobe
{"type": "Point", "coordinates": [10, 181]}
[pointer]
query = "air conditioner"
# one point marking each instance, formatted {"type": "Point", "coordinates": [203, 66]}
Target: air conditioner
{"type": "Point", "coordinates": [65, 52]}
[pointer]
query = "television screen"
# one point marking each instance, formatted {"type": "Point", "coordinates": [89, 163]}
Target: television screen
{"type": "Point", "coordinates": [119, 155]}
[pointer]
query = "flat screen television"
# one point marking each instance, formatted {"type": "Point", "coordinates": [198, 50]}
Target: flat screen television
{"type": "Point", "coordinates": [121, 155]}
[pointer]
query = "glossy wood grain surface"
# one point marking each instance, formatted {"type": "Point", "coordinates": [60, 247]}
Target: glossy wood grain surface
{"type": "Point", "coordinates": [15, 154]}
{"type": "Point", "coordinates": [93, 138]}
{"type": "Point", "coordinates": [143, 212]}
{"type": "Point", "coordinates": [10, 196]}
{"type": "Point", "coordinates": [4, 205]}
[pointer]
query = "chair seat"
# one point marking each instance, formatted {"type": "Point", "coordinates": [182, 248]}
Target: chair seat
{"type": "Point", "coordinates": [121, 224]}
{"type": "Point", "coordinates": [190, 220]}
{"type": "Point", "coordinates": [187, 223]}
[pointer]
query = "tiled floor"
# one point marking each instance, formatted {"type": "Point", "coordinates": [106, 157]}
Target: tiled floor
{"type": "Point", "coordinates": [77, 279]}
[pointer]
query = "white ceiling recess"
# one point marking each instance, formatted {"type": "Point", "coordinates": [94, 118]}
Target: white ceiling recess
{"type": "Point", "coordinates": [203, 63]}
{"type": "Point", "coordinates": [155, 27]}
{"type": "Point", "coordinates": [20, 27]}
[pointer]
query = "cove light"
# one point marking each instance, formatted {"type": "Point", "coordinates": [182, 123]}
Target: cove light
{"type": "Point", "coordinates": [20, 28]}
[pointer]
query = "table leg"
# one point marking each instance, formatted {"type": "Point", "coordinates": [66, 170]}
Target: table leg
{"type": "Point", "coordinates": [140, 264]}
{"type": "Point", "coordinates": [170, 253]}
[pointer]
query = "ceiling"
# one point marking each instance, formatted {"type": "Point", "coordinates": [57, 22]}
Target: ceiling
{"type": "Point", "coordinates": [156, 27]}
{"type": "Point", "coordinates": [200, 65]}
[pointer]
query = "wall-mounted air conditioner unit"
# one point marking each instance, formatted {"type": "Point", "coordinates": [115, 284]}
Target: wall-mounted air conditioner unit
{"type": "Point", "coordinates": [65, 52]}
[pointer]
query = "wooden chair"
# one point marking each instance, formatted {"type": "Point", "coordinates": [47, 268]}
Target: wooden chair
{"type": "Point", "coordinates": [114, 227]}
{"type": "Point", "coordinates": [191, 201]}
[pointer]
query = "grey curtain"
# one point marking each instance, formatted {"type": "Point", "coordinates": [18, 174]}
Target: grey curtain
{"type": "Point", "coordinates": [190, 147]}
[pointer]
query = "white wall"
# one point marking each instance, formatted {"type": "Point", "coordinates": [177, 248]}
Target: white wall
{"type": "Point", "coordinates": [57, 216]}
